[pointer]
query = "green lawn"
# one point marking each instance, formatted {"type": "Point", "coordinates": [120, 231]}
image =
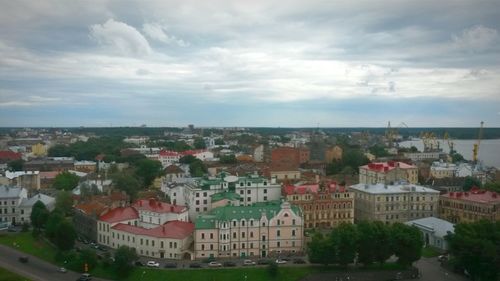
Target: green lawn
{"type": "Point", "coordinates": [429, 252]}
{"type": "Point", "coordinates": [25, 242]}
{"type": "Point", "coordinates": [6, 275]}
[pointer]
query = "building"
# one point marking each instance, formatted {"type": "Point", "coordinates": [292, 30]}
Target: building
{"type": "Point", "coordinates": [434, 231]}
{"type": "Point", "coordinates": [39, 149]}
{"type": "Point", "coordinates": [420, 156]}
{"type": "Point", "coordinates": [51, 164]}
{"type": "Point", "coordinates": [26, 206]}
{"type": "Point", "coordinates": [168, 158]}
{"type": "Point", "coordinates": [174, 173]}
{"type": "Point", "coordinates": [470, 206]}
{"type": "Point", "coordinates": [440, 169]}
{"type": "Point", "coordinates": [258, 153]}
{"type": "Point", "coordinates": [27, 179]}
{"type": "Point", "coordinates": [197, 193]}
{"type": "Point", "coordinates": [85, 218]}
{"type": "Point", "coordinates": [323, 206]}
{"type": "Point", "coordinates": [333, 153]}
{"type": "Point", "coordinates": [153, 228]}
{"type": "Point", "coordinates": [388, 172]}
{"type": "Point", "coordinates": [394, 203]}
{"type": "Point", "coordinates": [10, 199]}
{"type": "Point", "coordinates": [86, 166]}
{"type": "Point", "coordinates": [7, 156]}
{"type": "Point", "coordinates": [259, 230]}
{"type": "Point", "coordinates": [288, 158]}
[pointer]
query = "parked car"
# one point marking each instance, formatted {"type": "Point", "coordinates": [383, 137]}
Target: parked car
{"type": "Point", "coordinates": [23, 259]}
{"type": "Point", "coordinates": [138, 263]}
{"type": "Point", "coordinates": [62, 270]}
{"type": "Point", "coordinates": [278, 261]}
{"type": "Point", "coordinates": [84, 277]}
{"type": "Point", "coordinates": [442, 258]}
{"type": "Point", "coordinates": [229, 264]}
{"type": "Point", "coordinates": [263, 261]}
{"type": "Point", "coordinates": [195, 265]}
{"type": "Point", "coordinates": [153, 264]}
{"type": "Point", "coordinates": [248, 262]}
{"type": "Point", "coordinates": [299, 261]}
{"type": "Point", "coordinates": [170, 265]}
{"type": "Point", "coordinates": [214, 264]}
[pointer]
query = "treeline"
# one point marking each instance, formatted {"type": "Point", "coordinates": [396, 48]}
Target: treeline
{"type": "Point", "coordinates": [371, 242]}
{"type": "Point", "coordinates": [108, 145]}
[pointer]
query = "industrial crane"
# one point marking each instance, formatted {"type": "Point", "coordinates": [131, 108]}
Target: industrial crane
{"type": "Point", "coordinates": [450, 142]}
{"type": "Point", "coordinates": [475, 149]}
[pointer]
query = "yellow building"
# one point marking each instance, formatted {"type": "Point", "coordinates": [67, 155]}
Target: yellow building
{"type": "Point", "coordinates": [388, 172]}
{"type": "Point", "coordinates": [39, 149]}
{"type": "Point", "coordinates": [470, 206]}
{"type": "Point", "coordinates": [333, 153]}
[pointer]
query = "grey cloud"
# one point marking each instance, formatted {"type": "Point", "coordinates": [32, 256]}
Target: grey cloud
{"type": "Point", "coordinates": [477, 38]}
{"type": "Point", "coordinates": [157, 32]}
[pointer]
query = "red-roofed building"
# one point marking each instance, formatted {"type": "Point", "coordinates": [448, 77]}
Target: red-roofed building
{"type": "Point", "coordinates": [168, 157]}
{"type": "Point", "coordinates": [7, 156]}
{"type": "Point", "coordinates": [156, 229]}
{"type": "Point", "coordinates": [388, 172]}
{"type": "Point", "coordinates": [325, 205]}
{"type": "Point", "coordinates": [202, 154]}
{"type": "Point", "coordinates": [477, 204]}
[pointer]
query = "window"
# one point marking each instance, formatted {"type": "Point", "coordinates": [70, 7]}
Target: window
{"type": "Point", "coordinates": [265, 198]}
{"type": "Point", "coordinates": [293, 232]}
{"type": "Point", "coordinates": [234, 223]}
{"type": "Point", "coordinates": [251, 234]}
{"type": "Point", "coordinates": [197, 194]}
{"type": "Point", "coordinates": [293, 221]}
{"type": "Point", "coordinates": [211, 246]}
{"type": "Point", "coordinates": [203, 236]}
{"type": "Point", "coordinates": [204, 194]}
{"type": "Point", "coordinates": [263, 238]}
{"type": "Point", "coordinates": [205, 201]}
{"type": "Point", "coordinates": [202, 247]}
{"type": "Point", "coordinates": [278, 244]}
{"type": "Point", "coordinates": [242, 223]}
{"type": "Point", "coordinates": [243, 235]}
{"type": "Point", "coordinates": [211, 236]}
{"type": "Point", "coordinates": [243, 245]}
{"type": "Point", "coordinates": [278, 233]}
{"type": "Point", "coordinates": [263, 223]}
{"type": "Point", "coordinates": [265, 191]}
{"type": "Point", "coordinates": [234, 246]}
{"type": "Point", "coordinates": [249, 191]}
{"type": "Point", "coordinates": [234, 235]}
{"type": "Point", "coordinates": [162, 244]}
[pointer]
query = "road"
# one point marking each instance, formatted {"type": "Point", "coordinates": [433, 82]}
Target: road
{"type": "Point", "coordinates": [431, 270]}
{"type": "Point", "coordinates": [35, 269]}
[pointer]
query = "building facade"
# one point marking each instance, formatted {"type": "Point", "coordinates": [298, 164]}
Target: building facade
{"type": "Point", "coordinates": [324, 207]}
{"type": "Point", "coordinates": [394, 203]}
{"type": "Point", "coordinates": [259, 230]}
{"type": "Point", "coordinates": [10, 199]}
{"type": "Point", "coordinates": [434, 231]}
{"type": "Point", "coordinates": [388, 172]}
{"type": "Point", "coordinates": [469, 206]}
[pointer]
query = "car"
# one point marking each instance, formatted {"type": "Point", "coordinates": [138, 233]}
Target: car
{"type": "Point", "coordinates": [102, 248]}
{"type": "Point", "coordinates": [195, 265]}
{"type": "Point", "coordinates": [61, 270]}
{"type": "Point", "coordinates": [153, 264]}
{"type": "Point", "coordinates": [138, 263]}
{"type": "Point", "coordinates": [263, 261]}
{"type": "Point", "coordinates": [442, 258]}
{"type": "Point", "coordinates": [299, 261]}
{"type": "Point", "coordinates": [214, 264]}
{"type": "Point", "coordinates": [278, 261]}
{"type": "Point", "coordinates": [23, 259]}
{"type": "Point", "coordinates": [248, 262]}
{"type": "Point", "coordinates": [170, 265]}
{"type": "Point", "coordinates": [229, 264]}
{"type": "Point", "coordinates": [84, 277]}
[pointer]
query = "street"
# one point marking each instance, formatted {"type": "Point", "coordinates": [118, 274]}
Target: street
{"type": "Point", "coordinates": [431, 270]}
{"type": "Point", "coordinates": [35, 269]}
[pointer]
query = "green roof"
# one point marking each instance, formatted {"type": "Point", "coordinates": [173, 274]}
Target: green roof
{"type": "Point", "coordinates": [228, 213]}
{"type": "Point", "coordinates": [225, 195]}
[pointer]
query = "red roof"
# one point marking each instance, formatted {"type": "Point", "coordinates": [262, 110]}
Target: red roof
{"type": "Point", "coordinates": [92, 208]}
{"type": "Point", "coordinates": [193, 152]}
{"type": "Point", "coordinates": [386, 166]}
{"type": "Point", "coordinates": [10, 155]}
{"type": "Point", "coordinates": [169, 153]}
{"type": "Point", "coordinates": [120, 214]}
{"type": "Point", "coordinates": [475, 195]}
{"type": "Point", "coordinates": [156, 206]}
{"type": "Point", "coordinates": [301, 189]}
{"type": "Point", "coordinates": [171, 229]}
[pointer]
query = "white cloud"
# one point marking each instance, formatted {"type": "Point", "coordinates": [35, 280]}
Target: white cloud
{"type": "Point", "coordinates": [120, 37]}
{"type": "Point", "coordinates": [477, 38]}
{"type": "Point", "coordinates": [157, 32]}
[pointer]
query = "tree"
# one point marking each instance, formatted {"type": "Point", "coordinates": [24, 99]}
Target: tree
{"type": "Point", "coordinates": [407, 243]}
{"type": "Point", "coordinates": [272, 269]}
{"type": "Point", "coordinates": [378, 151]}
{"type": "Point", "coordinates": [493, 186]}
{"type": "Point", "coordinates": [366, 246]}
{"type": "Point", "coordinates": [475, 248]}
{"type": "Point", "coordinates": [39, 216]}
{"type": "Point", "coordinates": [344, 241]}
{"type": "Point", "coordinates": [124, 259]}
{"type": "Point", "coordinates": [66, 181]}
{"type": "Point", "coordinates": [228, 159]}
{"type": "Point", "coordinates": [382, 234]}
{"type": "Point", "coordinates": [188, 159]}
{"type": "Point", "coordinates": [64, 202]}
{"type": "Point", "coordinates": [55, 218]}
{"type": "Point", "coordinates": [320, 250]}
{"type": "Point", "coordinates": [16, 165]}
{"type": "Point", "coordinates": [219, 142]}
{"type": "Point", "coordinates": [470, 182]}
{"type": "Point", "coordinates": [199, 143]}
{"type": "Point", "coordinates": [354, 158]}
{"type": "Point", "coordinates": [64, 236]}
{"type": "Point", "coordinates": [197, 168]}
{"type": "Point", "coordinates": [148, 170]}
{"type": "Point", "coordinates": [127, 183]}
{"type": "Point", "coordinates": [457, 157]}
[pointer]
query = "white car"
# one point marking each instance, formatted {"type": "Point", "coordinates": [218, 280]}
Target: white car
{"type": "Point", "coordinates": [214, 264]}
{"type": "Point", "coordinates": [248, 262]}
{"type": "Point", "coordinates": [153, 264]}
{"type": "Point", "coordinates": [278, 261]}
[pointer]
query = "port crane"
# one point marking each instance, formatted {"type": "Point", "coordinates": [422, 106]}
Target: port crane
{"type": "Point", "coordinates": [475, 149]}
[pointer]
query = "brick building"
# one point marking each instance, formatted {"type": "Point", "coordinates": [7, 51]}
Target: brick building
{"type": "Point", "coordinates": [470, 206]}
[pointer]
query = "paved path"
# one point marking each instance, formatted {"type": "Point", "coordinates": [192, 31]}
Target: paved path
{"type": "Point", "coordinates": [35, 269]}
{"type": "Point", "coordinates": [431, 270]}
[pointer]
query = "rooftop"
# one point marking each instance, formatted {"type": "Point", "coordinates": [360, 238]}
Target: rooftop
{"type": "Point", "coordinates": [171, 229]}
{"type": "Point", "coordinates": [156, 206]}
{"type": "Point", "coordinates": [312, 188]}
{"type": "Point", "coordinates": [10, 191]}
{"type": "Point", "coordinates": [11, 175]}
{"type": "Point", "coordinates": [386, 166]}
{"type": "Point", "coordinates": [475, 195]}
{"type": "Point", "coordinates": [91, 208]}
{"type": "Point", "coordinates": [439, 227]}
{"type": "Point", "coordinates": [46, 200]}
{"type": "Point", "coordinates": [381, 188]}
{"type": "Point", "coordinates": [10, 155]}
{"type": "Point", "coordinates": [173, 169]}
{"type": "Point", "coordinates": [120, 214]}
{"type": "Point", "coordinates": [225, 195]}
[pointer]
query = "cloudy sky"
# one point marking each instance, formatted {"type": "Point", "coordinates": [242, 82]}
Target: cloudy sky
{"type": "Point", "coordinates": [249, 63]}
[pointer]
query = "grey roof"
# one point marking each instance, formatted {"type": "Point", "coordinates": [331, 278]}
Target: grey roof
{"type": "Point", "coordinates": [381, 188]}
{"type": "Point", "coordinates": [10, 191]}
{"type": "Point", "coordinates": [439, 227]}
{"type": "Point", "coordinates": [46, 200]}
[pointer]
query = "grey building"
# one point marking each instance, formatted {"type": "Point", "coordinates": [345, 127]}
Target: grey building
{"type": "Point", "coordinates": [434, 231]}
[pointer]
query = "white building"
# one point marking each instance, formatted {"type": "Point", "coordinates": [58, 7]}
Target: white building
{"type": "Point", "coordinates": [10, 199]}
{"type": "Point", "coordinates": [197, 195]}
{"type": "Point", "coordinates": [440, 169]}
{"type": "Point", "coordinates": [167, 157]}
{"type": "Point", "coordinates": [155, 229]}
{"type": "Point", "coordinates": [434, 231]}
{"type": "Point", "coordinates": [27, 205]}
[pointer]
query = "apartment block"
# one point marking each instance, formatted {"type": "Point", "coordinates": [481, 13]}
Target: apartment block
{"type": "Point", "coordinates": [388, 172]}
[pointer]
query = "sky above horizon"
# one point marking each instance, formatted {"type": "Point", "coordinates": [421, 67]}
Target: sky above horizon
{"type": "Point", "coordinates": [250, 63]}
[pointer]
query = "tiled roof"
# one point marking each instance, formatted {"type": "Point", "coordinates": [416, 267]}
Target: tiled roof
{"type": "Point", "coordinates": [475, 195]}
{"type": "Point", "coordinates": [172, 229]}
{"type": "Point", "coordinates": [173, 169]}
{"type": "Point", "coordinates": [45, 199]}
{"type": "Point", "coordinates": [386, 166]}
{"type": "Point", "coordinates": [193, 152]}
{"type": "Point", "coordinates": [10, 155]}
{"type": "Point", "coordinates": [228, 213]}
{"type": "Point", "coordinates": [156, 206]}
{"type": "Point", "coordinates": [301, 189]}
{"type": "Point", "coordinates": [92, 208]}
{"type": "Point", "coordinates": [120, 214]}
{"type": "Point", "coordinates": [169, 153]}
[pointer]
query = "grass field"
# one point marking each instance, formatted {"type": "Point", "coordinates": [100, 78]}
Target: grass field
{"type": "Point", "coordinates": [25, 242]}
{"type": "Point", "coordinates": [6, 275]}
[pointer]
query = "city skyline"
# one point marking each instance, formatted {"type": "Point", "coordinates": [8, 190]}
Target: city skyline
{"type": "Point", "coordinates": [249, 64]}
